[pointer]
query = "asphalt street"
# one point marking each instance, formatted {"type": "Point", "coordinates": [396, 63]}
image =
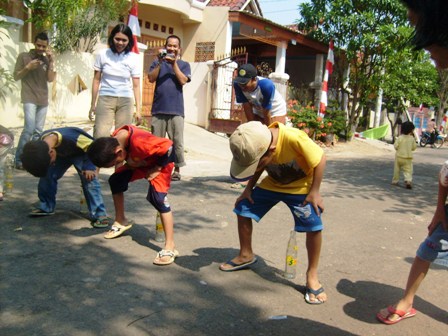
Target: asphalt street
{"type": "Point", "coordinates": [59, 276]}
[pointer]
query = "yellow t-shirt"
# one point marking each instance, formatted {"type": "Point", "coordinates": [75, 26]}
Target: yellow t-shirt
{"type": "Point", "coordinates": [292, 168]}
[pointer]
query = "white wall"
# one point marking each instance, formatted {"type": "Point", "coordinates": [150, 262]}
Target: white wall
{"type": "Point", "coordinates": [195, 95]}
{"type": "Point", "coordinates": [66, 104]}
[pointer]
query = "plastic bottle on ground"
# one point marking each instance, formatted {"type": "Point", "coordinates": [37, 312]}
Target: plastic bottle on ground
{"type": "Point", "coordinates": [160, 234]}
{"type": "Point", "coordinates": [291, 257]}
{"type": "Point", "coordinates": [9, 174]}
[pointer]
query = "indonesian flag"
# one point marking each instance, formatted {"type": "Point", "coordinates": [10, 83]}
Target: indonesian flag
{"type": "Point", "coordinates": [134, 25]}
{"type": "Point", "coordinates": [328, 71]}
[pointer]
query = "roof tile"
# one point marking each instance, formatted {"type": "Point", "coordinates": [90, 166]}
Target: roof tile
{"type": "Point", "coordinates": [232, 4]}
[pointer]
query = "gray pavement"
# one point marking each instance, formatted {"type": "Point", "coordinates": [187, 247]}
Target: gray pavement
{"type": "Point", "coordinates": [61, 277]}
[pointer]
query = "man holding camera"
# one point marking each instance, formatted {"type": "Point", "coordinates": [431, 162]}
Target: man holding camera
{"type": "Point", "coordinates": [170, 74]}
{"type": "Point", "coordinates": [34, 68]}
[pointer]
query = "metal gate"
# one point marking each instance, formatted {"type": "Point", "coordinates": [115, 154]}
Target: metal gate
{"type": "Point", "coordinates": [225, 114]}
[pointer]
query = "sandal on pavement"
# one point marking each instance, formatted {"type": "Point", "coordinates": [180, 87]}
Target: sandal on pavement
{"type": "Point", "coordinates": [117, 230]}
{"type": "Point", "coordinates": [101, 222]}
{"type": "Point", "coordinates": [400, 313]}
{"type": "Point", "coordinates": [39, 212]}
{"type": "Point", "coordinates": [315, 293]}
{"type": "Point", "coordinates": [161, 257]}
{"type": "Point", "coordinates": [175, 176]}
{"type": "Point", "coordinates": [236, 267]}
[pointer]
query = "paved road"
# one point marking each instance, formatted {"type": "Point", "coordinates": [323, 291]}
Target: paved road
{"type": "Point", "coordinates": [60, 277]}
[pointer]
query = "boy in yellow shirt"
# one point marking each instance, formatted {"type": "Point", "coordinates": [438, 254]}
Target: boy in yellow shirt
{"type": "Point", "coordinates": [295, 167]}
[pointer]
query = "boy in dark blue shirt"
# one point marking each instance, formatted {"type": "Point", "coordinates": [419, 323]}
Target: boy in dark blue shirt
{"type": "Point", "coordinates": [51, 156]}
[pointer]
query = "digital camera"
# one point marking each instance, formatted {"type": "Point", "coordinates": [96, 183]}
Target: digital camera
{"type": "Point", "coordinates": [163, 53]}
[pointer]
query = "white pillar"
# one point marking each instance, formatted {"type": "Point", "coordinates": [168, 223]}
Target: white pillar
{"type": "Point", "coordinates": [318, 76]}
{"type": "Point", "coordinates": [208, 104]}
{"type": "Point", "coordinates": [280, 58]}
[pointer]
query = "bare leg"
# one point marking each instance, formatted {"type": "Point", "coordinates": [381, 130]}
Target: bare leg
{"type": "Point", "coordinates": [313, 247]}
{"type": "Point", "coordinates": [119, 208]}
{"type": "Point", "coordinates": [417, 273]}
{"type": "Point", "coordinates": [245, 234]}
{"type": "Point", "coordinates": [168, 227]}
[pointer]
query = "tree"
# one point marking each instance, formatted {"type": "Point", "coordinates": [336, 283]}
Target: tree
{"type": "Point", "coordinates": [442, 94]}
{"type": "Point", "coordinates": [409, 79]}
{"type": "Point", "coordinates": [76, 25]}
{"type": "Point", "coordinates": [365, 33]}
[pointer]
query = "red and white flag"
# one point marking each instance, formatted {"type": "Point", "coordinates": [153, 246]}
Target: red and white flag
{"type": "Point", "coordinates": [328, 71]}
{"type": "Point", "coordinates": [134, 25]}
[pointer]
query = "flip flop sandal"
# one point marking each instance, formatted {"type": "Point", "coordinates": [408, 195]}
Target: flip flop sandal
{"type": "Point", "coordinates": [116, 230]}
{"type": "Point", "coordinates": [175, 176]}
{"type": "Point", "coordinates": [401, 315]}
{"type": "Point", "coordinates": [39, 212]}
{"type": "Point", "coordinates": [165, 253]}
{"type": "Point", "coordinates": [315, 293]}
{"type": "Point", "coordinates": [101, 222]}
{"type": "Point", "coordinates": [237, 267]}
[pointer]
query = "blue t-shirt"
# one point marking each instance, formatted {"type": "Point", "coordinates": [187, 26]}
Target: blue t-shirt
{"type": "Point", "coordinates": [265, 96]}
{"type": "Point", "coordinates": [72, 142]}
{"type": "Point", "coordinates": [168, 96]}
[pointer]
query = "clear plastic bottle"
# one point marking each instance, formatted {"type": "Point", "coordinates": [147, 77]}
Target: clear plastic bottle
{"type": "Point", "coordinates": [9, 174]}
{"type": "Point", "coordinates": [160, 234]}
{"type": "Point", "coordinates": [291, 257]}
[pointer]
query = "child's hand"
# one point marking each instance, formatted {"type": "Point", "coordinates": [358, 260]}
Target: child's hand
{"type": "Point", "coordinates": [89, 174]}
{"type": "Point", "coordinates": [153, 173]}
{"type": "Point", "coordinates": [316, 201]}
{"type": "Point", "coordinates": [247, 193]}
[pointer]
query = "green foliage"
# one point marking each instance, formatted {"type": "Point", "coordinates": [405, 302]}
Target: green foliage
{"type": "Point", "coordinates": [410, 75]}
{"type": "Point", "coordinates": [76, 25]}
{"type": "Point", "coordinates": [366, 34]}
{"type": "Point", "coordinates": [307, 119]}
{"type": "Point", "coordinates": [7, 83]}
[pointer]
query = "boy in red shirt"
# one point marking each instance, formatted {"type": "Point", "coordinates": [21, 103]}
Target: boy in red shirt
{"type": "Point", "coordinates": [138, 154]}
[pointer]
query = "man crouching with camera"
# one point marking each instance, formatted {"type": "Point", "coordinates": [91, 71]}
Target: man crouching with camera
{"type": "Point", "coordinates": [170, 74]}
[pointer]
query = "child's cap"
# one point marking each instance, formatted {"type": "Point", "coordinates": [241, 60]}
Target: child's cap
{"type": "Point", "coordinates": [248, 144]}
{"type": "Point", "coordinates": [245, 73]}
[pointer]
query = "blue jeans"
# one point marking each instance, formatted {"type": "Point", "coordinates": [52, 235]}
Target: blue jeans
{"type": "Point", "coordinates": [34, 125]}
{"type": "Point", "coordinates": [48, 187]}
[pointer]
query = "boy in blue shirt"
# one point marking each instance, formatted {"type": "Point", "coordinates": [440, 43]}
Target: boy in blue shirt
{"type": "Point", "coordinates": [50, 157]}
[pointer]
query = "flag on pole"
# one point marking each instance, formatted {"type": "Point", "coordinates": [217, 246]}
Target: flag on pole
{"type": "Point", "coordinates": [134, 25]}
{"type": "Point", "coordinates": [328, 71]}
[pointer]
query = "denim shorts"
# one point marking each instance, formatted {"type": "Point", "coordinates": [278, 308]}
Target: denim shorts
{"type": "Point", "coordinates": [305, 217]}
{"type": "Point", "coordinates": [435, 247]}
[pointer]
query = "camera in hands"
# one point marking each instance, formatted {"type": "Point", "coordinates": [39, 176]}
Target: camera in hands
{"type": "Point", "coordinates": [164, 53]}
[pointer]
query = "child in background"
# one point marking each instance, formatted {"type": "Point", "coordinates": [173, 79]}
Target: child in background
{"type": "Point", "coordinates": [138, 154]}
{"type": "Point", "coordinates": [404, 145]}
{"type": "Point", "coordinates": [50, 157]}
{"type": "Point", "coordinates": [6, 143]}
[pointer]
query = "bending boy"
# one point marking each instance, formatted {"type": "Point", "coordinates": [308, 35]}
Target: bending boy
{"type": "Point", "coordinates": [295, 167]}
{"type": "Point", "coordinates": [138, 154]}
{"type": "Point", "coordinates": [50, 157]}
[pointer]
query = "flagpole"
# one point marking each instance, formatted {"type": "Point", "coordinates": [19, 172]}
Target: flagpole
{"type": "Point", "coordinates": [328, 70]}
{"type": "Point", "coordinates": [134, 25]}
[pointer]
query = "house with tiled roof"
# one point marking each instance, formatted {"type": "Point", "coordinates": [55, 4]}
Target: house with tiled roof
{"type": "Point", "coordinates": [216, 36]}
